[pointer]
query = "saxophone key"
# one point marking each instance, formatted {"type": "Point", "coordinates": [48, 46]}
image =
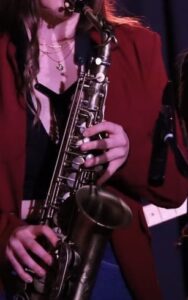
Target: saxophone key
{"type": "Point", "coordinates": [71, 179]}
{"type": "Point", "coordinates": [63, 197]}
{"type": "Point", "coordinates": [77, 162]}
{"type": "Point", "coordinates": [81, 127]}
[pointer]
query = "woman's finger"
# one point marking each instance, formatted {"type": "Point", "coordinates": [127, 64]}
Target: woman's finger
{"type": "Point", "coordinates": [38, 250]}
{"type": "Point", "coordinates": [44, 230]}
{"type": "Point", "coordinates": [108, 156]}
{"type": "Point", "coordinates": [103, 127]}
{"type": "Point", "coordinates": [34, 231]}
{"type": "Point", "coordinates": [112, 168]}
{"type": "Point", "coordinates": [20, 252]}
{"type": "Point", "coordinates": [17, 266]}
{"type": "Point", "coordinates": [104, 144]}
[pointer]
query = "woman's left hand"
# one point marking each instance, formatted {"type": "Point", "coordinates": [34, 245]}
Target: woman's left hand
{"type": "Point", "coordinates": [115, 146]}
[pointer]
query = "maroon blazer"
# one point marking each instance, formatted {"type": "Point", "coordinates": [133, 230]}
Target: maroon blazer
{"type": "Point", "coordinates": [137, 79]}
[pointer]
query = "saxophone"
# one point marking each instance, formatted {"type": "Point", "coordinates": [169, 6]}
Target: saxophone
{"type": "Point", "coordinates": [92, 212]}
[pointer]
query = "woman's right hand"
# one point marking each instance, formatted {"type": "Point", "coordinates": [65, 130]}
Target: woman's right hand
{"type": "Point", "coordinates": [22, 243]}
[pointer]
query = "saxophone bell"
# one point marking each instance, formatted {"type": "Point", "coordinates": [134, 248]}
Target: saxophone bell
{"type": "Point", "coordinates": [99, 212]}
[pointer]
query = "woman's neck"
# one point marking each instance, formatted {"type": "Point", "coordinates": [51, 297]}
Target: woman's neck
{"type": "Point", "coordinates": [48, 33]}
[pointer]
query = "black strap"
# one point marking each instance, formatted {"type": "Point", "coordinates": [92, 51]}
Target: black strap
{"type": "Point", "coordinates": [164, 138]}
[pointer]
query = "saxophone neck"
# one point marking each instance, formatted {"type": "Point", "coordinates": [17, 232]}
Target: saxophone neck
{"type": "Point", "coordinates": [97, 20]}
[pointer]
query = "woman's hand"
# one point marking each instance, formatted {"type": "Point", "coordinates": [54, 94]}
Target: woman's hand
{"type": "Point", "coordinates": [22, 243]}
{"type": "Point", "coordinates": [115, 146]}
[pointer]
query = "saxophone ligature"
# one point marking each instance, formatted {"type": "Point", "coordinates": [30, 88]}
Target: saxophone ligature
{"type": "Point", "coordinates": [92, 212]}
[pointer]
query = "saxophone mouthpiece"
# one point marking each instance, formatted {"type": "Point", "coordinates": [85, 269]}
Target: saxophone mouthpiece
{"type": "Point", "coordinates": [74, 5]}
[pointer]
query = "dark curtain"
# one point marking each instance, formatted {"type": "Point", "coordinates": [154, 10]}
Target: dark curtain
{"type": "Point", "coordinates": [170, 19]}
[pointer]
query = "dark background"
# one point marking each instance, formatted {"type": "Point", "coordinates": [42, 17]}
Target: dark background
{"type": "Point", "coordinates": [170, 19]}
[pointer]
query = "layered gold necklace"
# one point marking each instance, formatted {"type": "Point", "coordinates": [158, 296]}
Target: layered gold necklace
{"type": "Point", "coordinates": [63, 49]}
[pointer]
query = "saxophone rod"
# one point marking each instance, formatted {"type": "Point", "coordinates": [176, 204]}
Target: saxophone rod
{"type": "Point", "coordinates": [80, 6]}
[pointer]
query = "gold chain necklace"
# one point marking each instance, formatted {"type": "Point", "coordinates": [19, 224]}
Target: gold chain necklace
{"type": "Point", "coordinates": [57, 45]}
{"type": "Point", "coordinates": [59, 62]}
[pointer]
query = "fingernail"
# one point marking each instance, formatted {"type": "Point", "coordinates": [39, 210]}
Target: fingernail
{"type": "Point", "coordinates": [86, 140]}
{"type": "Point", "coordinates": [79, 143]}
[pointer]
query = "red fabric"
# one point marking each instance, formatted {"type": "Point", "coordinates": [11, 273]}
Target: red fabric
{"type": "Point", "coordinates": [137, 79]}
{"type": "Point", "coordinates": [12, 144]}
{"type": "Point", "coordinates": [132, 246]}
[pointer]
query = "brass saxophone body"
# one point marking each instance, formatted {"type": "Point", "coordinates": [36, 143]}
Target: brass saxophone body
{"type": "Point", "coordinates": [93, 212]}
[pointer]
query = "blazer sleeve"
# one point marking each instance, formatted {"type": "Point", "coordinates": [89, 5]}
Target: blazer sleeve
{"type": "Point", "coordinates": [12, 145]}
{"type": "Point", "coordinates": [132, 177]}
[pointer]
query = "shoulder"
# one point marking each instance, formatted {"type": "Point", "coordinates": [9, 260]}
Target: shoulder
{"type": "Point", "coordinates": [138, 45]}
{"type": "Point", "coordinates": [138, 41]}
{"type": "Point", "coordinates": [8, 62]}
{"type": "Point", "coordinates": [4, 39]}
{"type": "Point", "coordinates": [7, 54]}
{"type": "Point", "coordinates": [139, 36]}
{"type": "Point", "coordinates": [6, 45]}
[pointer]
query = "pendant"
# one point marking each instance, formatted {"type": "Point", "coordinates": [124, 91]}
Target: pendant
{"type": "Point", "coordinates": [60, 66]}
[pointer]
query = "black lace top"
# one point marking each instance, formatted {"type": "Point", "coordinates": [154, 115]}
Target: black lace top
{"type": "Point", "coordinates": [41, 150]}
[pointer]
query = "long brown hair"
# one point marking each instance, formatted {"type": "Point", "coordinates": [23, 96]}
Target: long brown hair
{"type": "Point", "coordinates": [13, 13]}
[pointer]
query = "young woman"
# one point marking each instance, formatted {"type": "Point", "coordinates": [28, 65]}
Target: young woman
{"type": "Point", "coordinates": [40, 49]}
